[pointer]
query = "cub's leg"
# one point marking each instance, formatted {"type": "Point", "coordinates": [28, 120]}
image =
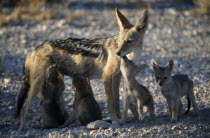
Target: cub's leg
{"type": "Point", "coordinates": [175, 110]}
{"type": "Point", "coordinates": [150, 105]}
{"type": "Point", "coordinates": [140, 109]}
{"type": "Point", "coordinates": [134, 111]}
{"type": "Point", "coordinates": [192, 99]}
{"type": "Point", "coordinates": [125, 110]}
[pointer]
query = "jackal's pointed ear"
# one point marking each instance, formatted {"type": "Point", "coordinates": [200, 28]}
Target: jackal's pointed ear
{"type": "Point", "coordinates": [122, 21]}
{"type": "Point", "coordinates": [154, 64]}
{"type": "Point", "coordinates": [142, 22]}
{"type": "Point", "coordinates": [170, 65]}
{"type": "Point", "coordinates": [141, 67]}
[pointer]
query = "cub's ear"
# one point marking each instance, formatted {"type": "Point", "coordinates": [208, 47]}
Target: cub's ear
{"type": "Point", "coordinates": [170, 65]}
{"type": "Point", "coordinates": [142, 22]}
{"type": "Point", "coordinates": [141, 67]}
{"type": "Point", "coordinates": [122, 21]}
{"type": "Point", "coordinates": [154, 64]}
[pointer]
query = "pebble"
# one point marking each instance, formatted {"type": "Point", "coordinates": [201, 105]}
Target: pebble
{"type": "Point", "coordinates": [174, 127]}
{"type": "Point", "coordinates": [6, 81]}
{"type": "Point", "coordinates": [98, 124]}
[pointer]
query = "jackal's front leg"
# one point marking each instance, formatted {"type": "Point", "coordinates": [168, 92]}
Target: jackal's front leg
{"type": "Point", "coordinates": [116, 96]}
{"type": "Point", "coordinates": [107, 78]}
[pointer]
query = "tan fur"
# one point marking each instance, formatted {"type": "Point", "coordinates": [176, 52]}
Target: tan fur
{"type": "Point", "coordinates": [173, 88]}
{"type": "Point", "coordinates": [104, 61]}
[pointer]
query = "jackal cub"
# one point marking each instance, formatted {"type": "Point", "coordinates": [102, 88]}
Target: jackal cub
{"type": "Point", "coordinates": [85, 107]}
{"type": "Point", "coordinates": [52, 104]}
{"type": "Point", "coordinates": [174, 88]}
{"type": "Point", "coordinates": [135, 95]}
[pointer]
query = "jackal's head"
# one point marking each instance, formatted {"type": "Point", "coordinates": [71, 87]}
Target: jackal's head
{"type": "Point", "coordinates": [131, 36]}
{"type": "Point", "coordinates": [129, 69]}
{"type": "Point", "coordinates": [53, 76]}
{"type": "Point", "coordinates": [162, 74]}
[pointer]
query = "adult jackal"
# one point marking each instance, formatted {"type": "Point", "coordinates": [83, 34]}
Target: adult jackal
{"type": "Point", "coordinates": [99, 58]}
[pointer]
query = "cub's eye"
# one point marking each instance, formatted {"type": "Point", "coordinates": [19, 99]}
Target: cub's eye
{"type": "Point", "coordinates": [157, 78]}
{"type": "Point", "coordinates": [129, 41]}
{"type": "Point", "coordinates": [165, 78]}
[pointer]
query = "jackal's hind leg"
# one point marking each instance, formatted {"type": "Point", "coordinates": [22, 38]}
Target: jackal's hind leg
{"type": "Point", "coordinates": [35, 88]}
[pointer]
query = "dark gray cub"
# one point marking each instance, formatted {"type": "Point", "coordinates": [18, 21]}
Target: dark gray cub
{"type": "Point", "coordinates": [53, 109]}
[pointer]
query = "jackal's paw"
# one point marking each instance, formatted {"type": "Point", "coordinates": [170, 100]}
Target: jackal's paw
{"type": "Point", "coordinates": [141, 118]}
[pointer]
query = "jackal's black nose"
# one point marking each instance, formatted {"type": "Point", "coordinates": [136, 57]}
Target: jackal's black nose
{"type": "Point", "coordinates": [118, 53]}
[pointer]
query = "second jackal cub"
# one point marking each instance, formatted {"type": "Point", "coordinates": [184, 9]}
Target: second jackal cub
{"type": "Point", "coordinates": [54, 112]}
{"type": "Point", "coordinates": [85, 107]}
{"type": "Point", "coordinates": [174, 88]}
{"type": "Point", "coordinates": [135, 95]}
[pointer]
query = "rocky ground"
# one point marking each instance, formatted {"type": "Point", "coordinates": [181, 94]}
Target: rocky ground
{"type": "Point", "coordinates": [173, 33]}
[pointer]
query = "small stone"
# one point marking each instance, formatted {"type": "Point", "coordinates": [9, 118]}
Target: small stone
{"type": "Point", "coordinates": [7, 80]}
{"type": "Point", "coordinates": [98, 124]}
{"type": "Point", "coordinates": [172, 11]}
{"type": "Point", "coordinates": [11, 107]}
{"type": "Point", "coordinates": [174, 127]}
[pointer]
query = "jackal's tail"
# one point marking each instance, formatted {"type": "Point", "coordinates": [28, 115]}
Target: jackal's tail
{"type": "Point", "coordinates": [22, 94]}
{"type": "Point", "coordinates": [189, 105]}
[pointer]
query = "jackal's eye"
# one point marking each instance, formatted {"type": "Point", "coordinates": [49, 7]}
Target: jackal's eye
{"type": "Point", "coordinates": [165, 78]}
{"type": "Point", "coordinates": [129, 41]}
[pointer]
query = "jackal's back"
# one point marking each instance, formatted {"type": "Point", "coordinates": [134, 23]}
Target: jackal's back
{"type": "Point", "coordinates": [73, 56]}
